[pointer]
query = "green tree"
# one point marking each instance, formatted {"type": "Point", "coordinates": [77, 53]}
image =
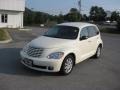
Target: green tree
{"type": "Point", "coordinates": [85, 17]}
{"type": "Point", "coordinates": [73, 10]}
{"type": "Point", "coordinates": [73, 15]}
{"type": "Point", "coordinates": [114, 16]}
{"type": "Point", "coordinates": [97, 13]}
{"type": "Point", "coordinates": [36, 17]}
{"type": "Point", "coordinates": [60, 18]}
{"type": "Point", "coordinates": [28, 17]}
{"type": "Point", "coordinates": [118, 23]}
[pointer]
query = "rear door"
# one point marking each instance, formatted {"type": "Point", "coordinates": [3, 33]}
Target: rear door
{"type": "Point", "coordinates": [93, 38]}
{"type": "Point", "coordinates": [84, 46]}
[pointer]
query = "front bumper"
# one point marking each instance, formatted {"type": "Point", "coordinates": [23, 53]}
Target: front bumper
{"type": "Point", "coordinates": [41, 64]}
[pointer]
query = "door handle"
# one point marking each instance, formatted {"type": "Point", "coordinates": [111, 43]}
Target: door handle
{"type": "Point", "coordinates": [97, 37]}
{"type": "Point", "coordinates": [89, 41]}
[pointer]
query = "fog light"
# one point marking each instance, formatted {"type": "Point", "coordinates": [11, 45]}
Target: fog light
{"type": "Point", "coordinates": [50, 68]}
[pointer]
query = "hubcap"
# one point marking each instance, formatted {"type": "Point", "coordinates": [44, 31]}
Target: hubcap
{"type": "Point", "coordinates": [68, 65]}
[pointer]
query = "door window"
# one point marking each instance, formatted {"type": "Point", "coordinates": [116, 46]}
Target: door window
{"type": "Point", "coordinates": [92, 31]}
{"type": "Point", "coordinates": [84, 33]}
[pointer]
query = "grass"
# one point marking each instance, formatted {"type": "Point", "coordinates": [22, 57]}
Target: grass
{"type": "Point", "coordinates": [3, 35]}
{"type": "Point", "coordinates": [110, 30]}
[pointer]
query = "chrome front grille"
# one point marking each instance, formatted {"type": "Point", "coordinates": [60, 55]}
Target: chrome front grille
{"type": "Point", "coordinates": [34, 52]}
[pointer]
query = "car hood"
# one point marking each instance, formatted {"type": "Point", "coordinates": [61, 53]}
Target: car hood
{"type": "Point", "coordinates": [48, 42]}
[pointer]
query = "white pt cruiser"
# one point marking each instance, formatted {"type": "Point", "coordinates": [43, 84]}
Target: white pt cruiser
{"type": "Point", "coordinates": [63, 46]}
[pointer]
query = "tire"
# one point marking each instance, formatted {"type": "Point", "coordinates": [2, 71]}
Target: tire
{"type": "Point", "coordinates": [98, 52]}
{"type": "Point", "coordinates": [67, 65]}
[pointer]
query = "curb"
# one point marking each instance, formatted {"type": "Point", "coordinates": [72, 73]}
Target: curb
{"type": "Point", "coordinates": [8, 40]}
{"type": "Point", "coordinates": [25, 29]}
{"type": "Point", "coordinates": [5, 41]}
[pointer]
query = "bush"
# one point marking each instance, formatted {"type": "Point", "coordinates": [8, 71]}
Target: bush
{"type": "Point", "coordinates": [50, 23]}
{"type": "Point", "coordinates": [3, 35]}
{"type": "Point", "coordinates": [118, 23]}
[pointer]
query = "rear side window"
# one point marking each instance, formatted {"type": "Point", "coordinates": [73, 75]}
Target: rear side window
{"type": "Point", "coordinates": [92, 31]}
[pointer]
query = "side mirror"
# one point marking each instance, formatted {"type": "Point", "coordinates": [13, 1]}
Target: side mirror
{"type": "Point", "coordinates": [84, 38]}
{"type": "Point", "coordinates": [98, 32]}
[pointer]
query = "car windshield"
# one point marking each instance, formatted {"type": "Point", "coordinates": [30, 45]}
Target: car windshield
{"type": "Point", "coordinates": [63, 32]}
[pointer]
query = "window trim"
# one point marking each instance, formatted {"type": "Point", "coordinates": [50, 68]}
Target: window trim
{"type": "Point", "coordinates": [4, 18]}
{"type": "Point", "coordinates": [83, 30]}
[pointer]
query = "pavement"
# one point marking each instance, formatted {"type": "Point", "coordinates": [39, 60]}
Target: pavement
{"type": "Point", "coordinates": [91, 74]}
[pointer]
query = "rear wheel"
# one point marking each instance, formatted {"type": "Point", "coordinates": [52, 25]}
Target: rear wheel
{"type": "Point", "coordinates": [98, 52]}
{"type": "Point", "coordinates": [67, 65]}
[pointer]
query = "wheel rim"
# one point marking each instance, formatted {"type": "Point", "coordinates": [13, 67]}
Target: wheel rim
{"type": "Point", "coordinates": [68, 65]}
{"type": "Point", "coordinates": [98, 52]}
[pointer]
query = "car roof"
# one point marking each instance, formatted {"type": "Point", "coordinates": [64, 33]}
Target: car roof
{"type": "Point", "coordinates": [76, 24]}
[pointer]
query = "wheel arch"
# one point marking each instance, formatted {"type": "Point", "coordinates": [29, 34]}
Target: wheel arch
{"type": "Point", "coordinates": [74, 56]}
{"type": "Point", "coordinates": [100, 45]}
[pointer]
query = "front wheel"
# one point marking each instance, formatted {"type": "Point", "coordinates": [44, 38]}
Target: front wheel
{"type": "Point", "coordinates": [67, 65]}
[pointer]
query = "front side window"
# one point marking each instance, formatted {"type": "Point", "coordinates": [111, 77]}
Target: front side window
{"type": "Point", "coordinates": [63, 32]}
{"type": "Point", "coordinates": [4, 18]}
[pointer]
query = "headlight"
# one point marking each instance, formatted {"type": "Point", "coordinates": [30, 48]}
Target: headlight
{"type": "Point", "coordinates": [56, 55]}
